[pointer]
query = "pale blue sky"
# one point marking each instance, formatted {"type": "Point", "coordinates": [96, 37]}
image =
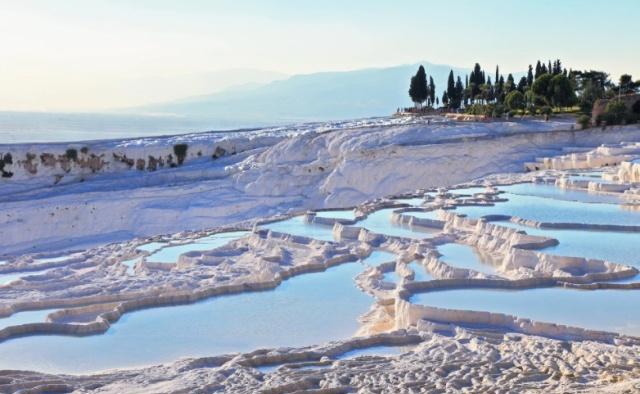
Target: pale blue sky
{"type": "Point", "coordinates": [92, 54]}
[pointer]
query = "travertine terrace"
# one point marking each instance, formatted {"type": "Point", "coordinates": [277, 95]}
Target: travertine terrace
{"type": "Point", "coordinates": [439, 350]}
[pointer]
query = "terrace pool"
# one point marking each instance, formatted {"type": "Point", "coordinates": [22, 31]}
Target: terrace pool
{"type": "Point", "coordinates": [606, 310]}
{"type": "Point", "coordinates": [317, 308]}
{"type": "Point", "coordinates": [555, 211]}
{"type": "Point", "coordinates": [170, 254]}
{"type": "Point", "coordinates": [464, 256]}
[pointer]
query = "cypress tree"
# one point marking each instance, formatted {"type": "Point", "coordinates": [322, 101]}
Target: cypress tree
{"type": "Point", "coordinates": [499, 91]}
{"type": "Point", "coordinates": [451, 89]}
{"type": "Point", "coordinates": [475, 80]}
{"type": "Point", "coordinates": [511, 84]}
{"type": "Point", "coordinates": [418, 87]}
{"type": "Point", "coordinates": [543, 70]}
{"type": "Point", "coordinates": [490, 90]}
{"type": "Point", "coordinates": [538, 70]}
{"type": "Point", "coordinates": [497, 74]}
{"type": "Point", "coordinates": [459, 92]}
{"type": "Point", "coordinates": [432, 90]}
{"type": "Point", "coordinates": [530, 76]}
{"type": "Point", "coordinates": [522, 85]}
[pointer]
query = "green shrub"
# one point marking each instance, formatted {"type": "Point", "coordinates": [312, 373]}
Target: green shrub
{"type": "Point", "coordinates": [180, 151]}
{"type": "Point", "coordinates": [514, 100]}
{"type": "Point", "coordinates": [498, 111]}
{"type": "Point", "coordinates": [616, 113]}
{"type": "Point", "coordinates": [584, 121]}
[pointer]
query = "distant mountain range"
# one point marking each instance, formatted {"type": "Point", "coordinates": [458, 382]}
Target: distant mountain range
{"type": "Point", "coordinates": [310, 97]}
{"type": "Point", "coordinates": [264, 99]}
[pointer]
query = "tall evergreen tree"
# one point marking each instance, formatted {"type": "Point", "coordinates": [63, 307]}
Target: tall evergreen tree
{"type": "Point", "coordinates": [418, 87]}
{"type": "Point", "coordinates": [530, 76]}
{"type": "Point", "coordinates": [459, 92]}
{"type": "Point", "coordinates": [475, 80]}
{"type": "Point", "coordinates": [432, 90]}
{"type": "Point", "coordinates": [543, 70]}
{"type": "Point", "coordinates": [466, 93]}
{"type": "Point", "coordinates": [510, 85]}
{"type": "Point", "coordinates": [445, 99]}
{"type": "Point", "coordinates": [499, 90]}
{"type": "Point", "coordinates": [522, 85]}
{"type": "Point", "coordinates": [538, 70]}
{"type": "Point", "coordinates": [490, 90]}
{"type": "Point", "coordinates": [497, 74]}
{"type": "Point", "coordinates": [451, 90]}
{"type": "Point", "coordinates": [549, 69]}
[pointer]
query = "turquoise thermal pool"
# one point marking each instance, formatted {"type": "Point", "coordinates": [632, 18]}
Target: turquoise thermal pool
{"type": "Point", "coordinates": [338, 214]}
{"type": "Point", "coordinates": [464, 256]}
{"type": "Point", "coordinates": [421, 274]}
{"type": "Point", "coordinates": [380, 222]}
{"type": "Point", "coordinates": [5, 279]}
{"type": "Point", "coordinates": [233, 323]}
{"type": "Point", "coordinates": [297, 226]}
{"type": "Point", "coordinates": [558, 193]}
{"type": "Point", "coordinates": [378, 257]}
{"type": "Point", "coordinates": [614, 246]}
{"type": "Point", "coordinates": [376, 351]}
{"type": "Point", "coordinates": [170, 254]}
{"type": "Point", "coordinates": [25, 317]}
{"type": "Point", "coordinates": [555, 211]}
{"type": "Point", "coordinates": [416, 201]}
{"type": "Point", "coordinates": [605, 310]}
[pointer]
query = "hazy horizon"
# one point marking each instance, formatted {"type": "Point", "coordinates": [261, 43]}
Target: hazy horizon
{"type": "Point", "coordinates": [99, 55]}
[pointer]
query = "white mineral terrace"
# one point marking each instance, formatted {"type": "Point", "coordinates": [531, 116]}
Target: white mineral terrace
{"type": "Point", "coordinates": [510, 283]}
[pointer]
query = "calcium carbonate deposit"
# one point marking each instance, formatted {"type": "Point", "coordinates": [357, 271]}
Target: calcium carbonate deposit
{"type": "Point", "coordinates": [384, 256]}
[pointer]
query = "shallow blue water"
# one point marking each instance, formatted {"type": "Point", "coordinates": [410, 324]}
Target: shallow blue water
{"type": "Point", "coordinates": [25, 317]}
{"type": "Point", "coordinates": [377, 222]}
{"type": "Point", "coordinates": [53, 259]}
{"type": "Point", "coordinates": [417, 201]}
{"type": "Point", "coordinates": [421, 273]}
{"type": "Point", "coordinates": [130, 264]}
{"type": "Point", "coordinates": [5, 279]}
{"type": "Point", "coordinates": [469, 190]}
{"type": "Point", "coordinates": [151, 246]}
{"type": "Point", "coordinates": [608, 310]}
{"type": "Point", "coordinates": [170, 254]}
{"type": "Point", "coordinates": [423, 215]}
{"type": "Point", "coordinates": [339, 214]}
{"type": "Point", "coordinates": [377, 351]}
{"type": "Point", "coordinates": [378, 257]}
{"type": "Point", "coordinates": [464, 256]}
{"type": "Point", "coordinates": [617, 247]}
{"type": "Point", "coordinates": [391, 277]}
{"type": "Point", "coordinates": [380, 222]}
{"type": "Point", "coordinates": [552, 191]}
{"type": "Point", "coordinates": [317, 307]}
{"type": "Point", "coordinates": [555, 211]}
{"type": "Point", "coordinates": [297, 226]}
